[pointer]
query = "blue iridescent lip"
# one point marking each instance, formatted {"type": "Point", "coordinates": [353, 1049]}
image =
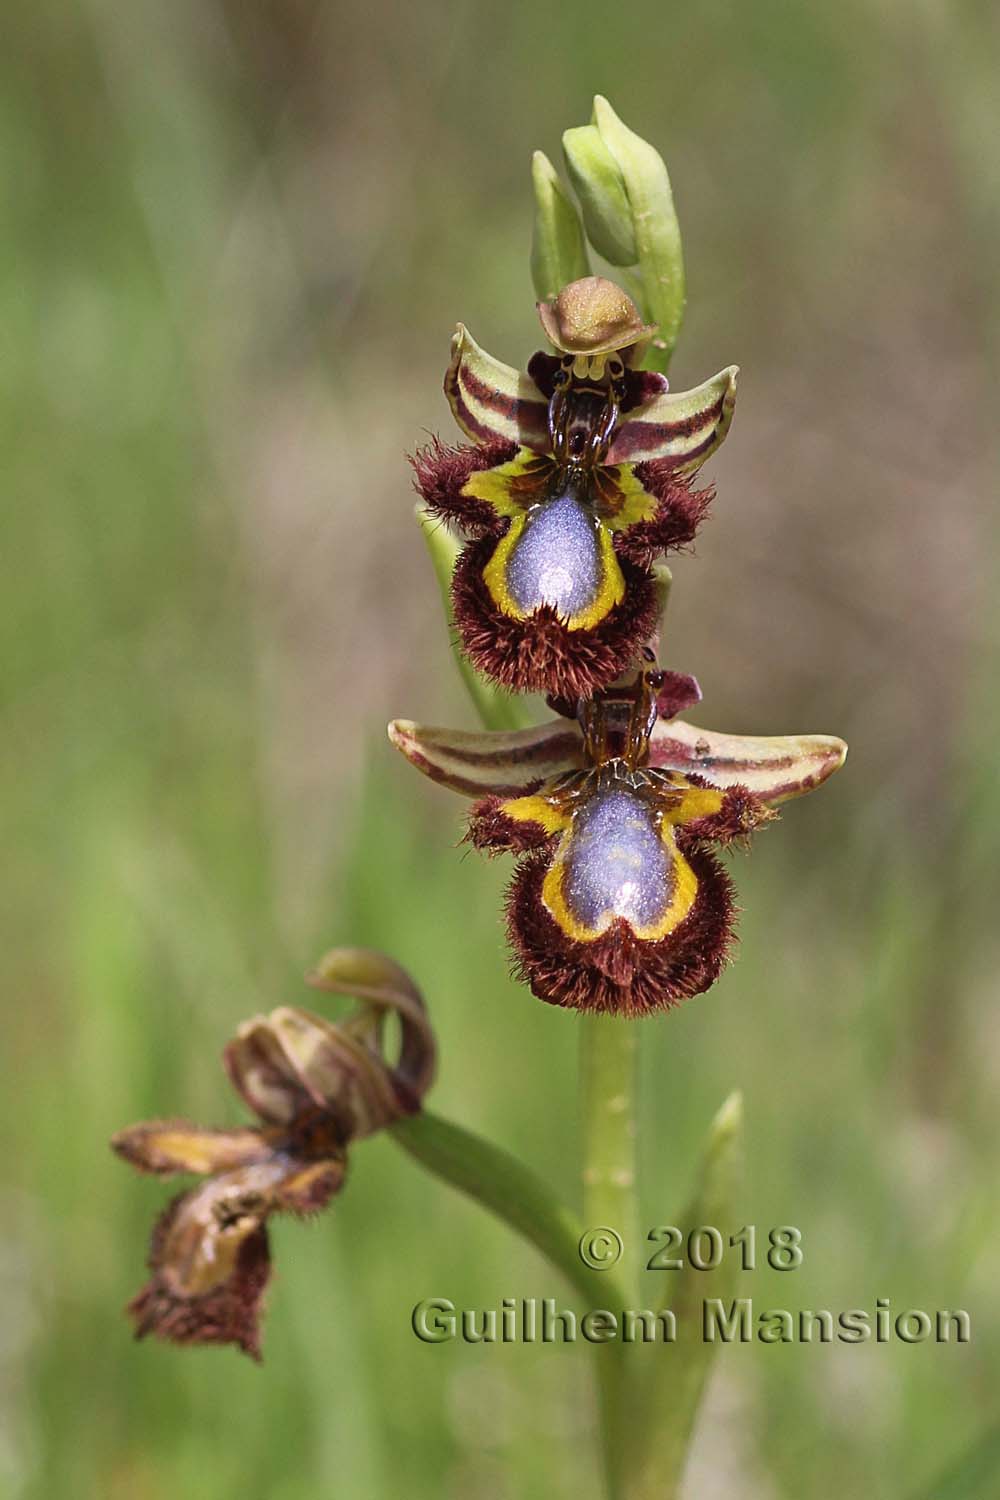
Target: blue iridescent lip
{"type": "Point", "coordinates": [615, 863]}
{"type": "Point", "coordinates": [557, 560]}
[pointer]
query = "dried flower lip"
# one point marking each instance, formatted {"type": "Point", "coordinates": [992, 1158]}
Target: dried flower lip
{"type": "Point", "coordinates": [197, 1252]}
{"type": "Point", "coordinates": [227, 1313]}
{"type": "Point", "coordinates": [593, 316]}
{"type": "Point", "coordinates": [209, 1255]}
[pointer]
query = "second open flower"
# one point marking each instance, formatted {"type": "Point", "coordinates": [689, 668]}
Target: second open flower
{"type": "Point", "coordinates": [618, 902]}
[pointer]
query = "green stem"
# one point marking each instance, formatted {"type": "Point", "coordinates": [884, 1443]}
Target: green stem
{"type": "Point", "coordinates": [608, 1056]}
{"type": "Point", "coordinates": [508, 1189]}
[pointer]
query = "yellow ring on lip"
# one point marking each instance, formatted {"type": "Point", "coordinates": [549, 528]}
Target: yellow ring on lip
{"type": "Point", "coordinates": [693, 802]}
{"type": "Point", "coordinates": [610, 591]}
{"type": "Point", "coordinates": [685, 890]}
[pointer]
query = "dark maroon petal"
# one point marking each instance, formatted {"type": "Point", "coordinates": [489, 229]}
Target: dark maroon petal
{"type": "Point", "coordinates": [440, 472]}
{"type": "Point", "coordinates": [566, 707]}
{"type": "Point", "coordinates": [677, 692]}
{"type": "Point", "coordinates": [640, 385]}
{"type": "Point", "coordinates": [542, 369]}
{"type": "Point", "coordinates": [539, 654]}
{"type": "Point", "coordinates": [618, 972]}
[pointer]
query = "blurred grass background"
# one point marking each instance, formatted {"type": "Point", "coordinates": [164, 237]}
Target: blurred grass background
{"type": "Point", "coordinates": [236, 239]}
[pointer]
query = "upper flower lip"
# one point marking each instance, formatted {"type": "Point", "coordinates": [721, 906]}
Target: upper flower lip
{"type": "Point", "coordinates": [774, 767]}
{"type": "Point", "coordinates": [493, 402]}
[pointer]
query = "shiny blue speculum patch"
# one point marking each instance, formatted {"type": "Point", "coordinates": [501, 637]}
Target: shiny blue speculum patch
{"type": "Point", "coordinates": [557, 560]}
{"type": "Point", "coordinates": [616, 864]}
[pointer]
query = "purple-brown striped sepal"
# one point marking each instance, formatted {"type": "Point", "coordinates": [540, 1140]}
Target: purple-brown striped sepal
{"type": "Point", "coordinates": [773, 767]}
{"type": "Point", "coordinates": [501, 762]}
{"type": "Point", "coordinates": [683, 427]}
{"type": "Point", "coordinates": [491, 401]}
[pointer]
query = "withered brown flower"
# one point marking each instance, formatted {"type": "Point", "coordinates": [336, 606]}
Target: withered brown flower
{"type": "Point", "coordinates": [315, 1085]}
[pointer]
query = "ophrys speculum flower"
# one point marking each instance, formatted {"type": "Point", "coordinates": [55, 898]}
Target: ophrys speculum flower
{"type": "Point", "coordinates": [618, 901]}
{"type": "Point", "coordinates": [580, 474]}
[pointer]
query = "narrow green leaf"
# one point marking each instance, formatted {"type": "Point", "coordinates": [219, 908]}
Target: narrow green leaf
{"type": "Point", "coordinates": [675, 1380]}
{"type": "Point", "coordinates": [558, 249]}
{"type": "Point", "coordinates": [657, 232]}
{"type": "Point", "coordinates": [973, 1476]}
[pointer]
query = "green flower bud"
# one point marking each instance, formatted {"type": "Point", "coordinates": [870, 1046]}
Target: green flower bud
{"type": "Point", "coordinates": [600, 187]}
{"type": "Point", "coordinates": [558, 249]}
{"type": "Point", "coordinates": [654, 225]}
